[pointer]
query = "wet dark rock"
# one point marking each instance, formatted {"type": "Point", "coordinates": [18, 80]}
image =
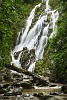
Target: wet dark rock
{"type": "Point", "coordinates": [4, 85]}
{"type": "Point", "coordinates": [35, 94]}
{"type": "Point", "coordinates": [52, 85]}
{"type": "Point", "coordinates": [6, 75]}
{"type": "Point", "coordinates": [25, 48]}
{"type": "Point", "coordinates": [15, 84]}
{"type": "Point", "coordinates": [25, 85]}
{"type": "Point", "coordinates": [64, 98]}
{"type": "Point", "coordinates": [31, 96]}
{"type": "Point", "coordinates": [52, 79]}
{"type": "Point", "coordinates": [2, 91]}
{"type": "Point", "coordinates": [64, 89]}
{"type": "Point", "coordinates": [0, 78]}
{"type": "Point", "coordinates": [27, 95]}
{"type": "Point", "coordinates": [5, 98]}
{"type": "Point", "coordinates": [18, 79]}
{"type": "Point", "coordinates": [16, 54]}
{"type": "Point", "coordinates": [41, 96]}
{"type": "Point", "coordinates": [12, 93]}
{"type": "Point", "coordinates": [40, 82]}
{"type": "Point", "coordinates": [15, 75]}
{"type": "Point", "coordinates": [54, 93]}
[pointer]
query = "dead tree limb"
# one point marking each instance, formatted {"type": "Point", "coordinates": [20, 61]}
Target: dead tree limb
{"type": "Point", "coordinates": [20, 70]}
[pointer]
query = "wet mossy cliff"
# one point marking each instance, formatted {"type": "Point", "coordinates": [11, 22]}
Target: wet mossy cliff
{"type": "Point", "coordinates": [54, 62]}
{"type": "Point", "coordinates": [13, 15]}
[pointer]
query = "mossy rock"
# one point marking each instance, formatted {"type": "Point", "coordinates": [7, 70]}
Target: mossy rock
{"type": "Point", "coordinates": [0, 78]}
{"type": "Point", "coordinates": [48, 17]}
{"type": "Point", "coordinates": [2, 91]}
{"type": "Point", "coordinates": [64, 89]}
{"type": "Point", "coordinates": [7, 75]}
{"type": "Point", "coordinates": [52, 78]}
{"type": "Point", "coordinates": [55, 3]}
{"type": "Point", "coordinates": [27, 57]}
{"type": "Point", "coordinates": [27, 85]}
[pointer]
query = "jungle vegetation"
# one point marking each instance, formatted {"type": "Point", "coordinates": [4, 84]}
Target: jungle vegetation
{"type": "Point", "coordinates": [13, 14]}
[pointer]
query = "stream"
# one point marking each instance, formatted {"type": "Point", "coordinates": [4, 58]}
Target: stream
{"type": "Point", "coordinates": [39, 93]}
{"type": "Point", "coordinates": [22, 90]}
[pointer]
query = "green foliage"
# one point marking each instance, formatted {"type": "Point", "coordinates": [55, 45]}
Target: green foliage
{"type": "Point", "coordinates": [57, 48]}
{"type": "Point", "coordinates": [31, 1]}
{"type": "Point", "coordinates": [55, 4]}
{"type": "Point", "coordinates": [41, 68]}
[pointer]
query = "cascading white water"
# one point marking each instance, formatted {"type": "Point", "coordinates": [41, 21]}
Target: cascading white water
{"type": "Point", "coordinates": [36, 38]}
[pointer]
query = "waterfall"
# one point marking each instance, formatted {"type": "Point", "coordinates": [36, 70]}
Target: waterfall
{"type": "Point", "coordinates": [36, 37]}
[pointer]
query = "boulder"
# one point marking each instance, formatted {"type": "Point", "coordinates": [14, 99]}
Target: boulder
{"type": "Point", "coordinates": [4, 85]}
{"type": "Point", "coordinates": [6, 75]}
{"type": "Point", "coordinates": [13, 93]}
{"type": "Point", "coordinates": [52, 85]}
{"type": "Point", "coordinates": [54, 93]}
{"type": "Point", "coordinates": [41, 96]}
{"type": "Point", "coordinates": [5, 98]}
{"type": "Point", "coordinates": [25, 85]}
{"type": "Point", "coordinates": [16, 54]}
{"type": "Point", "coordinates": [64, 89]}
{"type": "Point", "coordinates": [2, 91]}
{"type": "Point", "coordinates": [27, 57]}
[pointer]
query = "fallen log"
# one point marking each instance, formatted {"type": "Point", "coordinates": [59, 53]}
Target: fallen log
{"type": "Point", "coordinates": [20, 70]}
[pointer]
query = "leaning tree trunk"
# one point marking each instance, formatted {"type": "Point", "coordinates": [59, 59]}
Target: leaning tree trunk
{"type": "Point", "coordinates": [35, 77]}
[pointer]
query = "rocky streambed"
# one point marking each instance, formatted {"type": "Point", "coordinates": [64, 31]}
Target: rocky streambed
{"type": "Point", "coordinates": [25, 87]}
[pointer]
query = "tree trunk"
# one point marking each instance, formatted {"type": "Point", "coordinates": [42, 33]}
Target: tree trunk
{"type": "Point", "coordinates": [35, 77]}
